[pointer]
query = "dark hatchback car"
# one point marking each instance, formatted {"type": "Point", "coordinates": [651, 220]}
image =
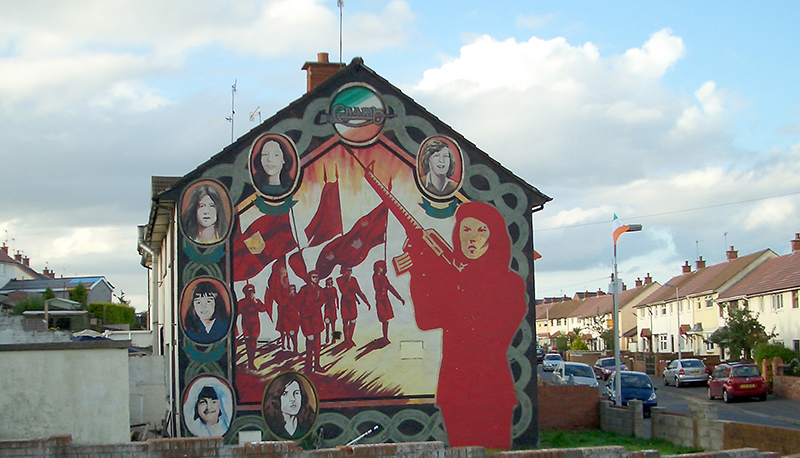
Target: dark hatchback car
{"type": "Point", "coordinates": [539, 355]}
{"type": "Point", "coordinates": [604, 367]}
{"type": "Point", "coordinates": [736, 380]}
{"type": "Point", "coordinates": [635, 385]}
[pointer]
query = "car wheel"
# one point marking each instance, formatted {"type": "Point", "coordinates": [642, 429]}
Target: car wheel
{"type": "Point", "coordinates": [677, 382]}
{"type": "Point", "coordinates": [710, 396]}
{"type": "Point", "coordinates": [727, 397]}
{"type": "Point", "coordinates": [763, 397]}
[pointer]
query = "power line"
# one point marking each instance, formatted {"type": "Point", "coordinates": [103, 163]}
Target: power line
{"type": "Point", "coordinates": [670, 212]}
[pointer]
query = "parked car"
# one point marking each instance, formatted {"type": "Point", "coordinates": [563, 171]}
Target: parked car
{"type": "Point", "coordinates": [634, 385]}
{"type": "Point", "coordinates": [736, 380]}
{"type": "Point", "coordinates": [569, 373]}
{"type": "Point", "coordinates": [684, 371]}
{"type": "Point", "coordinates": [604, 367]}
{"type": "Point", "coordinates": [539, 355]}
{"type": "Point", "coordinates": [550, 361]}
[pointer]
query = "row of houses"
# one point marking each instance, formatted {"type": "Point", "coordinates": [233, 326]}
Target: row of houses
{"type": "Point", "coordinates": [682, 313]}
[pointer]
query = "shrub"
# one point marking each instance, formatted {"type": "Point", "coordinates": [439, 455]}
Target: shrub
{"type": "Point", "coordinates": [113, 313]}
{"type": "Point", "coordinates": [32, 303]}
{"type": "Point", "coordinates": [769, 351]}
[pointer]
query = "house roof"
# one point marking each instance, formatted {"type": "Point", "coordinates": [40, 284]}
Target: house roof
{"type": "Point", "coordinates": [705, 280]}
{"type": "Point", "coordinates": [5, 258]}
{"type": "Point", "coordinates": [55, 284]}
{"type": "Point", "coordinates": [775, 274]}
{"type": "Point", "coordinates": [564, 309]}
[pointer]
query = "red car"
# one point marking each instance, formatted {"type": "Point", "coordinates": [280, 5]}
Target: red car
{"type": "Point", "coordinates": [736, 380]}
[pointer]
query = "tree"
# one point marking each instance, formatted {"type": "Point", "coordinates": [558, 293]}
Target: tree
{"type": "Point", "coordinates": [48, 294]}
{"type": "Point", "coordinates": [32, 303]}
{"type": "Point", "coordinates": [79, 294]}
{"type": "Point", "coordinates": [562, 343]}
{"type": "Point", "coordinates": [741, 333]}
{"type": "Point", "coordinates": [579, 344]}
{"type": "Point", "coordinates": [121, 298]}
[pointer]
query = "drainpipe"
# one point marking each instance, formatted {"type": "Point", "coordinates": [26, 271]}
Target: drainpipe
{"type": "Point", "coordinates": [153, 288]}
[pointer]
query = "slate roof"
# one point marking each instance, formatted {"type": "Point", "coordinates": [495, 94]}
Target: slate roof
{"type": "Point", "coordinates": [55, 284]}
{"type": "Point", "coordinates": [776, 274]}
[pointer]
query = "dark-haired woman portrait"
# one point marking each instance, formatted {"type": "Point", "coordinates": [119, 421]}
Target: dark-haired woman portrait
{"type": "Point", "coordinates": [271, 166]}
{"type": "Point", "coordinates": [207, 319]}
{"type": "Point", "coordinates": [205, 220]}
{"type": "Point", "coordinates": [288, 411]}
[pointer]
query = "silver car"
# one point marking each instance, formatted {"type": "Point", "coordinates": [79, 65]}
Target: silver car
{"type": "Point", "coordinates": [550, 361]}
{"type": "Point", "coordinates": [569, 373]}
{"type": "Point", "coordinates": [685, 371]}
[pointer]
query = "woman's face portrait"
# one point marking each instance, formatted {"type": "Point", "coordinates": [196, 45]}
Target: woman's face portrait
{"type": "Point", "coordinates": [291, 399]}
{"type": "Point", "coordinates": [474, 237]}
{"type": "Point", "coordinates": [272, 159]}
{"type": "Point", "coordinates": [208, 410]}
{"type": "Point", "coordinates": [204, 307]}
{"type": "Point", "coordinates": [207, 212]}
{"type": "Point", "coordinates": [439, 162]}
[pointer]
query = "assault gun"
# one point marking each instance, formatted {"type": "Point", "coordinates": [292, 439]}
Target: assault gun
{"type": "Point", "coordinates": [414, 230]}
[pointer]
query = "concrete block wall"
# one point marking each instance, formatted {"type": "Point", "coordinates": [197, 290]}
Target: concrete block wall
{"type": "Point", "coordinates": [623, 420]}
{"type": "Point", "coordinates": [678, 429]}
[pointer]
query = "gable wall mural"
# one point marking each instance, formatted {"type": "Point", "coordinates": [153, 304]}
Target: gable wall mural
{"type": "Point", "coordinates": [354, 262]}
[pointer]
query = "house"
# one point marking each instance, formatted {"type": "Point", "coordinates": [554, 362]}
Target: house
{"type": "Point", "coordinates": [17, 267]}
{"type": "Point", "coordinates": [98, 288]}
{"type": "Point", "coordinates": [357, 189]}
{"type": "Point", "coordinates": [771, 292]}
{"type": "Point", "coordinates": [687, 305]}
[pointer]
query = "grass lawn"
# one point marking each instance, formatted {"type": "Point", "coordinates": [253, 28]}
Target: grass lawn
{"type": "Point", "coordinates": [597, 438]}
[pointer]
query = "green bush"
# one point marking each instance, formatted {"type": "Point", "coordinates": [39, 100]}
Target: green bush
{"type": "Point", "coordinates": [113, 313]}
{"type": "Point", "coordinates": [769, 351]}
{"type": "Point", "coordinates": [32, 303]}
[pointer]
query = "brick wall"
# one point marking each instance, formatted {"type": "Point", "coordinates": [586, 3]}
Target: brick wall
{"type": "Point", "coordinates": [568, 407]}
{"type": "Point", "coordinates": [786, 386]}
{"type": "Point", "coordinates": [785, 441]}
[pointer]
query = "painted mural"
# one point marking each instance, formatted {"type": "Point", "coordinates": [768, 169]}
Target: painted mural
{"type": "Point", "coordinates": [353, 262]}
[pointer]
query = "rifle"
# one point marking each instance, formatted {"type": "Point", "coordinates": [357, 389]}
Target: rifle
{"type": "Point", "coordinates": [414, 230]}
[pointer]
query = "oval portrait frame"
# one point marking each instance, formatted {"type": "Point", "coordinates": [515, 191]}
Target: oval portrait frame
{"type": "Point", "coordinates": [290, 172]}
{"type": "Point", "coordinates": [224, 209]}
{"type": "Point", "coordinates": [227, 403]}
{"type": "Point", "coordinates": [216, 334]}
{"type": "Point", "coordinates": [272, 414]}
{"type": "Point", "coordinates": [455, 176]}
{"type": "Point", "coordinates": [357, 95]}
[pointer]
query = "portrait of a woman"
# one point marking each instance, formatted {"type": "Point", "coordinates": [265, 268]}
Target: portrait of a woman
{"type": "Point", "coordinates": [437, 166]}
{"type": "Point", "coordinates": [205, 218]}
{"type": "Point", "coordinates": [290, 406]}
{"type": "Point", "coordinates": [273, 165]}
{"type": "Point", "coordinates": [479, 309]}
{"type": "Point", "coordinates": [207, 318]}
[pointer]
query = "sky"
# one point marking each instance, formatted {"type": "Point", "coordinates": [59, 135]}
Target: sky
{"type": "Point", "coordinates": [683, 116]}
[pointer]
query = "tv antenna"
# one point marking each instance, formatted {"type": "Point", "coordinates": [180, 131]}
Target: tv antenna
{"type": "Point", "coordinates": [233, 98]}
{"type": "Point", "coordinates": [254, 113]}
{"type": "Point", "coordinates": [340, 4]}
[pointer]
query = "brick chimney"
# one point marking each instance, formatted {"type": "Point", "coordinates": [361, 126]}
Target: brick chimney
{"type": "Point", "coordinates": [4, 248]}
{"type": "Point", "coordinates": [320, 70]}
{"type": "Point", "coordinates": [687, 269]}
{"type": "Point", "coordinates": [18, 256]}
{"type": "Point", "coordinates": [648, 280]}
{"type": "Point", "coordinates": [624, 286]}
{"type": "Point", "coordinates": [26, 260]}
{"type": "Point", "coordinates": [796, 242]}
{"type": "Point", "coordinates": [732, 254]}
{"type": "Point", "coordinates": [701, 264]}
{"type": "Point", "coordinates": [638, 282]}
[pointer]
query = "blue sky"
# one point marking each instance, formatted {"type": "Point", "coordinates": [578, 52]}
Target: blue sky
{"type": "Point", "coordinates": [683, 117]}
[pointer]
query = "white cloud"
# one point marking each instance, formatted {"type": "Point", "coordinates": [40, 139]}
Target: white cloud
{"type": "Point", "coordinates": [655, 57]}
{"type": "Point", "coordinates": [533, 21]}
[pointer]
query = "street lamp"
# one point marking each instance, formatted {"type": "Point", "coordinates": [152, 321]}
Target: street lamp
{"type": "Point", "coordinates": [619, 230]}
{"type": "Point", "coordinates": [678, 312]}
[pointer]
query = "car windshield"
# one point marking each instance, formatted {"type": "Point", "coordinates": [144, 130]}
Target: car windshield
{"type": "Point", "coordinates": [607, 362]}
{"type": "Point", "coordinates": [635, 381]}
{"type": "Point", "coordinates": [692, 363]}
{"type": "Point", "coordinates": [745, 371]}
{"type": "Point", "coordinates": [553, 357]}
{"type": "Point", "coordinates": [578, 371]}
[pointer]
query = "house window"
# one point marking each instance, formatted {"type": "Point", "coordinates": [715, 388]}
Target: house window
{"type": "Point", "coordinates": [663, 342]}
{"type": "Point", "coordinates": [680, 306]}
{"type": "Point", "coordinates": [796, 346]}
{"type": "Point", "coordinates": [709, 303]}
{"type": "Point", "coordinates": [699, 303]}
{"type": "Point", "coordinates": [795, 299]}
{"type": "Point", "coordinates": [709, 345]}
{"type": "Point", "coordinates": [761, 303]}
{"type": "Point", "coordinates": [670, 309]}
{"type": "Point", "coordinates": [777, 302]}
{"type": "Point", "coordinates": [663, 309]}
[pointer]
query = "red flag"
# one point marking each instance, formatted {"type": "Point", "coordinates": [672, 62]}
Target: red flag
{"type": "Point", "coordinates": [352, 248]}
{"type": "Point", "coordinates": [327, 221]}
{"type": "Point", "coordinates": [278, 283]}
{"type": "Point", "coordinates": [298, 265]}
{"type": "Point", "coordinates": [267, 239]}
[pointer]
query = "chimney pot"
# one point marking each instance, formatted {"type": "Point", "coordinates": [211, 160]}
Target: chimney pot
{"type": "Point", "coordinates": [648, 279]}
{"type": "Point", "coordinates": [638, 282]}
{"type": "Point", "coordinates": [796, 242]}
{"type": "Point", "coordinates": [687, 268]}
{"type": "Point", "coordinates": [732, 254]}
{"type": "Point", "coordinates": [700, 263]}
{"type": "Point", "coordinates": [322, 57]}
{"type": "Point", "coordinates": [319, 71]}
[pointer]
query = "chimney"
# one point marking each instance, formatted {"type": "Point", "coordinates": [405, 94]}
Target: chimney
{"type": "Point", "coordinates": [687, 269]}
{"type": "Point", "coordinates": [4, 248]}
{"type": "Point", "coordinates": [796, 242]}
{"type": "Point", "coordinates": [733, 254]}
{"type": "Point", "coordinates": [18, 256]}
{"type": "Point", "coordinates": [26, 260]}
{"type": "Point", "coordinates": [624, 286]}
{"type": "Point", "coordinates": [320, 70]}
{"type": "Point", "coordinates": [648, 279]}
{"type": "Point", "coordinates": [700, 263]}
{"type": "Point", "coordinates": [638, 282]}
